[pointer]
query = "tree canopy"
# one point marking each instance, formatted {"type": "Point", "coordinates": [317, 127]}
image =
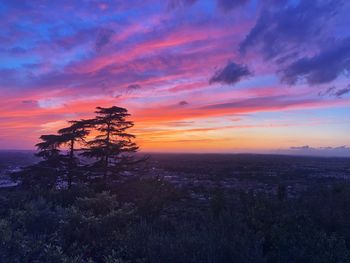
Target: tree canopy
{"type": "Point", "coordinates": [72, 155]}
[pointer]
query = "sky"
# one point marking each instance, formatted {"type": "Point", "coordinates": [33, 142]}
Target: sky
{"type": "Point", "coordinates": [196, 75]}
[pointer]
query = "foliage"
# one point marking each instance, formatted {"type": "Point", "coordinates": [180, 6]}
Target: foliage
{"type": "Point", "coordinates": [91, 226]}
{"type": "Point", "coordinates": [113, 143]}
{"type": "Point", "coordinates": [62, 212]}
{"type": "Point", "coordinates": [107, 155]}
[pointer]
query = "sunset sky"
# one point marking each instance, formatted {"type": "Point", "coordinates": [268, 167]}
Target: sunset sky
{"type": "Point", "coordinates": [196, 75]}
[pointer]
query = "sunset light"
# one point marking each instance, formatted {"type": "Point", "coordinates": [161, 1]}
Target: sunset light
{"type": "Point", "coordinates": [196, 75]}
{"type": "Point", "coordinates": [175, 131]}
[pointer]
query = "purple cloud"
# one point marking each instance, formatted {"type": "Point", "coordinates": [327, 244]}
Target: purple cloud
{"type": "Point", "coordinates": [132, 88]}
{"type": "Point", "coordinates": [324, 67]}
{"type": "Point", "coordinates": [224, 5]}
{"type": "Point", "coordinates": [284, 26]}
{"type": "Point", "coordinates": [267, 103]}
{"type": "Point", "coordinates": [183, 103]}
{"type": "Point", "coordinates": [340, 151]}
{"type": "Point", "coordinates": [305, 147]}
{"type": "Point", "coordinates": [342, 92]}
{"type": "Point", "coordinates": [178, 3]}
{"type": "Point", "coordinates": [328, 91]}
{"type": "Point", "coordinates": [333, 91]}
{"type": "Point", "coordinates": [230, 74]}
{"type": "Point", "coordinates": [228, 5]}
{"type": "Point", "coordinates": [103, 38]}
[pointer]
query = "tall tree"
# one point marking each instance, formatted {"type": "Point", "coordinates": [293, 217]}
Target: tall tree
{"type": "Point", "coordinates": [71, 136]}
{"type": "Point", "coordinates": [113, 146]}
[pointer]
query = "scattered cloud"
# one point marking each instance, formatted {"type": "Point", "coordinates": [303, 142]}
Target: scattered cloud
{"type": "Point", "coordinates": [305, 147]}
{"type": "Point", "coordinates": [183, 103]}
{"type": "Point", "coordinates": [228, 5]}
{"type": "Point", "coordinates": [324, 67]}
{"type": "Point", "coordinates": [179, 123]}
{"type": "Point", "coordinates": [224, 5]}
{"type": "Point", "coordinates": [328, 91]}
{"type": "Point", "coordinates": [179, 3]}
{"type": "Point", "coordinates": [342, 92]}
{"type": "Point", "coordinates": [132, 88]}
{"type": "Point", "coordinates": [285, 26]}
{"type": "Point", "coordinates": [333, 91]}
{"type": "Point", "coordinates": [28, 104]}
{"type": "Point", "coordinates": [230, 74]}
{"type": "Point", "coordinates": [103, 38]}
{"type": "Point", "coordinates": [340, 151]}
{"type": "Point", "coordinates": [266, 102]}
{"type": "Point", "coordinates": [32, 102]}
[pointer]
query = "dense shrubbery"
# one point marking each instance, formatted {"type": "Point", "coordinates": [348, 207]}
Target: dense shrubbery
{"type": "Point", "coordinates": [84, 225]}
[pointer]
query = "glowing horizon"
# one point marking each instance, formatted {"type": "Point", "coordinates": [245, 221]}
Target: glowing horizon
{"type": "Point", "coordinates": [196, 76]}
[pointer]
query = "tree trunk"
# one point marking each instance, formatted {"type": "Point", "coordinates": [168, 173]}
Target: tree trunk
{"type": "Point", "coordinates": [71, 157]}
{"type": "Point", "coordinates": [107, 152]}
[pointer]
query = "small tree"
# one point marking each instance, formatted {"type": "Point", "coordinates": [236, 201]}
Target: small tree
{"type": "Point", "coordinates": [47, 172]}
{"type": "Point", "coordinates": [113, 146]}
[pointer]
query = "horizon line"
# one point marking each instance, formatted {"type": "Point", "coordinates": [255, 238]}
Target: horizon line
{"type": "Point", "coordinates": [276, 153]}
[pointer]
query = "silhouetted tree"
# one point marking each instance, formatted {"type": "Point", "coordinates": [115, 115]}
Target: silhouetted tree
{"type": "Point", "coordinates": [70, 136]}
{"type": "Point", "coordinates": [47, 172]}
{"type": "Point", "coordinates": [111, 150]}
{"type": "Point", "coordinates": [113, 145]}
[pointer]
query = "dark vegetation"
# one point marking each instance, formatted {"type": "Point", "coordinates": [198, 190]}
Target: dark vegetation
{"type": "Point", "coordinates": [103, 158]}
{"type": "Point", "coordinates": [99, 203]}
